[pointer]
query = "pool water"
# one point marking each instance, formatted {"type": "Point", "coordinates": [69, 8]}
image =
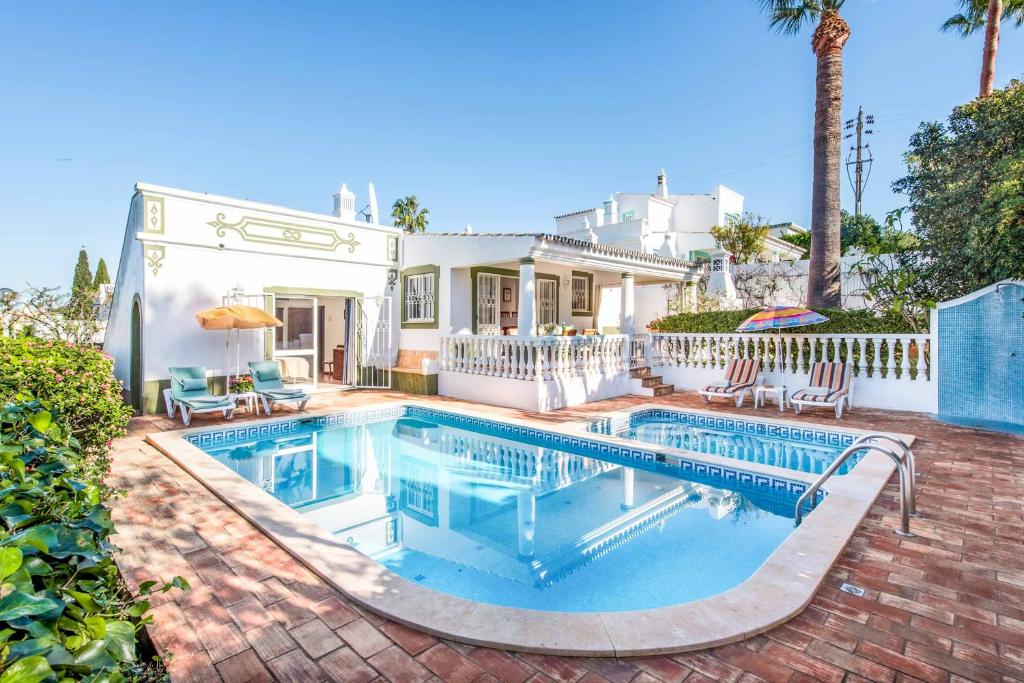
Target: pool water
{"type": "Point", "coordinates": [802, 450]}
{"type": "Point", "coordinates": [517, 524]}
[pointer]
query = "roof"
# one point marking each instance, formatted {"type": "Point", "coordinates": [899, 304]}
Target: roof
{"type": "Point", "coordinates": [574, 213]}
{"type": "Point", "coordinates": [782, 245]}
{"type": "Point", "coordinates": [593, 247]}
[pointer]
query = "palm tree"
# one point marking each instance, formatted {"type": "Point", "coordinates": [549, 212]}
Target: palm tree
{"type": "Point", "coordinates": [976, 14]}
{"type": "Point", "coordinates": [824, 288]}
{"type": "Point", "coordinates": [408, 215]}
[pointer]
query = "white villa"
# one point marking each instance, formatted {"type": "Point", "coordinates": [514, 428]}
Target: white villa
{"type": "Point", "coordinates": [530, 320]}
{"type": "Point", "coordinates": [670, 225]}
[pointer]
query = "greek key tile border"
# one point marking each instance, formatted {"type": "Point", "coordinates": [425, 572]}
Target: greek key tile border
{"type": "Point", "coordinates": [800, 434]}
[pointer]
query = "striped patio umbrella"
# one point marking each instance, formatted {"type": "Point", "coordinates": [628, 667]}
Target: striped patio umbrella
{"type": "Point", "coordinates": [779, 318]}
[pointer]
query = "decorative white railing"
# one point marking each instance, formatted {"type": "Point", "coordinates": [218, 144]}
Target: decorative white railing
{"type": "Point", "coordinates": [891, 356]}
{"type": "Point", "coordinates": [534, 358]}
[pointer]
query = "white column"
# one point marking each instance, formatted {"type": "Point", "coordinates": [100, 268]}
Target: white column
{"type": "Point", "coordinates": [526, 521]}
{"type": "Point", "coordinates": [627, 477]}
{"type": "Point", "coordinates": [627, 319]}
{"type": "Point", "coordinates": [527, 298]}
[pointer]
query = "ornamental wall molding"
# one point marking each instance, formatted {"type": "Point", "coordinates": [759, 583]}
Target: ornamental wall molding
{"type": "Point", "coordinates": [269, 231]}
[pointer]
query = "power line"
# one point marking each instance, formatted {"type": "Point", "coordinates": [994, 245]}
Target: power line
{"type": "Point", "coordinates": [859, 156]}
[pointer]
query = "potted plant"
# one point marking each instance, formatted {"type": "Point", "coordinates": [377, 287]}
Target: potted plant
{"type": "Point", "coordinates": [241, 384]}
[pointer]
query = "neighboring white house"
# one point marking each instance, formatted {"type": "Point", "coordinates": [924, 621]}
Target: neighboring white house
{"type": "Point", "coordinates": [670, 225]}
{"type": "Point", "coordinates": [365, 305]}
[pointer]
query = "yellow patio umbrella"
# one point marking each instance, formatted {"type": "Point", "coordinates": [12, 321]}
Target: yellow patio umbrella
{"type": "Point", "coordinates": [237, 318]}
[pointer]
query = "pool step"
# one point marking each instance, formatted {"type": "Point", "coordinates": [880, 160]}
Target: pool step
{"type": "Point", "coordinates": [645, 384]}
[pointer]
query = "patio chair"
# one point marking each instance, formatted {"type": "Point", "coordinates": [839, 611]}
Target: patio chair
{"type": "Point", "coordinates": [266, 380]}
{"type": "Point", "coordinates": [831, 386]}
{"type": "Point", "coordinates": [190, 392]}
{"type": "Point", "coordinates": [741, 374]}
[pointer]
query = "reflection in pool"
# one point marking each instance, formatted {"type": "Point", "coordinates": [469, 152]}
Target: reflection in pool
{"type": "Point", "coordinates": [514, 524]}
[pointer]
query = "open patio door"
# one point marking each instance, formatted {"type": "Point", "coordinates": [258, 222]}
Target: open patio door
{"type": "Point", "coordinates": [373, 357]}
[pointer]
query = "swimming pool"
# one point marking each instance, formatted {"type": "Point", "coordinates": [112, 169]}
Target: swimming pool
{"type": "Point", "coordinates": [539, 537]}
{"type": "Point", "coordinates": [453, 506]}
{"type": "Point", "coordinates": [803, 448]}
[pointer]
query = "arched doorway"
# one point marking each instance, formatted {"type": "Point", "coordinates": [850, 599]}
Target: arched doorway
{"type": "Point", "coordinates": [135, 367]}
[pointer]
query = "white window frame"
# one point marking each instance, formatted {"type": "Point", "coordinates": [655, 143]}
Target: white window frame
{"type": "Point", "coordinates": [421, 294]}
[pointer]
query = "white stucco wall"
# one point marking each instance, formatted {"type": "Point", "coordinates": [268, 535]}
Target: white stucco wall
{"type": "Point", "coordinates": [188, 250]}
{"type": "Point", "coordinates": [128, 284]}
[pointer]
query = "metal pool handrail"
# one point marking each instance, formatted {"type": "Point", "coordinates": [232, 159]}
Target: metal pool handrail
{"type": "Point", "coordinates": [911, 465]}
{"type": "Point", "coordinates": [863, 444]}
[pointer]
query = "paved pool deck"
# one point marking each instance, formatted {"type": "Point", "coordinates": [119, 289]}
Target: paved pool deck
{"type": "Point", "coordinates": [947, 605]}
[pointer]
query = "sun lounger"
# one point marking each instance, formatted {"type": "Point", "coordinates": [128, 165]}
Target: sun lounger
{"type": "Point", "coordinates": [741, 374]}
{"type": "Point", "coordinates": [190, 392]}
{"type": "Point", "coordinates": [266, 379]}
{"type": "Point", "coordinates": [831, 386]}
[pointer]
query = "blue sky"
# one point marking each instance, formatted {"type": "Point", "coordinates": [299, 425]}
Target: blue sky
{"type": "Point", "coordinates": [496, 114]}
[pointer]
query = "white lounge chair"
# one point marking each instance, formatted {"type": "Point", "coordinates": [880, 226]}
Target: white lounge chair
{"type": "Point", "coordinates": [190, 392]}
{"type": "Point", "coordinates": [831, 386]}
{"type": "Point", "coordinates": [741, 374]}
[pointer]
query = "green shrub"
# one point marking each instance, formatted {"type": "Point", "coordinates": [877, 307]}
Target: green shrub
{"type": "Point", "coordinates": [64, 611]}
{"type": "Point", "coordinates": [840, 321]}
{"type": "Point", "coordinates": [78, 383]}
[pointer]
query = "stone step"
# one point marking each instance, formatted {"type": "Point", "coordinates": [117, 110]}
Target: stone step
{"type": "Point", "coordinates": [651, 381]}
{"type": "Point", "coordinates": [640, 373]}
{"type": "Point", "coordinates": [663, 389]}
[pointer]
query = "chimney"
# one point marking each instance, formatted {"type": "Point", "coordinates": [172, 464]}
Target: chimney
{"type": "Point", "coordinates": [345, 203]}
{"type": "Point", "coordinates": [662, 185]}
{"type": "Point", "coordinates": [611, 207]}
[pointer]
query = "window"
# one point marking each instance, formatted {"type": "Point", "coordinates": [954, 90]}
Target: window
{"type": "Point", "coordinates": [581, 293]}
{"type": "Point", "coordinates": [547, 302]}
{"type": "Point", "coordinates": [418, 299]}
{"type": "Point", "coordinates": [628, 215]}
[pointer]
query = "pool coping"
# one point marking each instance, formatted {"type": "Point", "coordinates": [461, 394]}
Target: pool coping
{"type": "Point", "coordinates": [777, 591]}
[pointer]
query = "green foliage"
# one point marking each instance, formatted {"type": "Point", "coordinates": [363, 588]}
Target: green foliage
{"type": "Point", "coordinates": [102, 277]}
{"type": "Point", "coordinates": [64, 612]}
{"type": "Point", "coordinates": [408, 215]}
{"type": "Point", "coordinates": [863, 233]}
{"type": "Point", "coordinates": [81, 285]}
{"type": "Point", "coordinates": [800, 239]}
{"type": "Point", "coordinates": [840, 321]}
{"type": "Point", "coordinates": [742, 237]}
{"type": "Point", "coordinates": [789, 16]}
{"type": "Point", "coordinates": [974, 13]}
{"type": "Point", "coordinates": [78, 382]}
{"type": "Point", "coordinates": [966, 194]}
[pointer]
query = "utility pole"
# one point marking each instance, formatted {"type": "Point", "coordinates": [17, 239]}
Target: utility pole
{"type": "Point", "coordinates": [859, 156]}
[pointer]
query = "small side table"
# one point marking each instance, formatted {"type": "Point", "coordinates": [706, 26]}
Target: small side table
{"type": "Point", "coordinates": [779, 392]}
{"type": "Point", "coordinates": [250, 399]}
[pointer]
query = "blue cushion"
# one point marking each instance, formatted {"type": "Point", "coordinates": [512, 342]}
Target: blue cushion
{"type": "Point", "coordinates": [268, 374]}
{"type": "Point", "coordinates": [192, 384]}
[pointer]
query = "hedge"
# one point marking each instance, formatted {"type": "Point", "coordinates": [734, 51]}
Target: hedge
{"type": "Point", "coordinates": [65, 614]}
{"type": "Point", "coordinates": [78, 383]}
{"type": "Point", "coordinates": [840, 321]}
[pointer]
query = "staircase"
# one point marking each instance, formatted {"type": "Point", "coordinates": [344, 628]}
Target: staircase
{"type": "Point", "coordinates": [643, 383]}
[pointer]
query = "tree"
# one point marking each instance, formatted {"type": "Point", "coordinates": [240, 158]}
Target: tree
{"type": "Point", "coordinates": [987, 14]}
{"type": "Point", "coordinates": [742, 237]}
{"type": "Point", "coordinates": [824, 288]}
{"type": "Point", "coordinates": [49, 313]}
{"type": "Point", "coordinates": [81, 285]}
{"type": "Point", "coordinates": [102, 277]}
{"type": "Point", "coordinates": [860, 231]}
{"type": "Point", "coordinates": [965, 185]}
{"type": "Point", "coordinates": [408, 215]}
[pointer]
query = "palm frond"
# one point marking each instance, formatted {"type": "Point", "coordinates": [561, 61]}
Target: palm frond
{"type": "Point", "coordinates": [974, 14]}
{"type": "Point", "coordinates": [789, 16]}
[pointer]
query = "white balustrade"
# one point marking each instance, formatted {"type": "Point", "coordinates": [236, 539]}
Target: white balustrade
{"type": "Point", "coordinates": [904, 357]}
{"type": "Point", "coordinates": [538, 358]}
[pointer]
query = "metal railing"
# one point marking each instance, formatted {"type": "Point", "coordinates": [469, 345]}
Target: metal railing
{"type": "Point", "coordinates": [905, 465]}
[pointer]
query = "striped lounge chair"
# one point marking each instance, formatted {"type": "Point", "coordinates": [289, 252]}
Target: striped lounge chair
{"type": "Point", "coordinates": [740, 377]}
{"type": "Point", "coordinates": [831, 385]}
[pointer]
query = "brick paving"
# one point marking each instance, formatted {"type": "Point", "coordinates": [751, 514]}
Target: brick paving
{"type": "Point", "coordinates": [945, 606]}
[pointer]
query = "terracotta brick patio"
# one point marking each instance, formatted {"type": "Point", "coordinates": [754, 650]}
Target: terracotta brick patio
{"type": "Point", "coordinates": [945, 606]}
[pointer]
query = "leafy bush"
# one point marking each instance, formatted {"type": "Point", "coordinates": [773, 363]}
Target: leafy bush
{"type": "Point", "coordinates": [64, 611]}
{"type": "Point", "coordinates": [840, 321]}
{"type": "Point", "coordinates": [78, 383]}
